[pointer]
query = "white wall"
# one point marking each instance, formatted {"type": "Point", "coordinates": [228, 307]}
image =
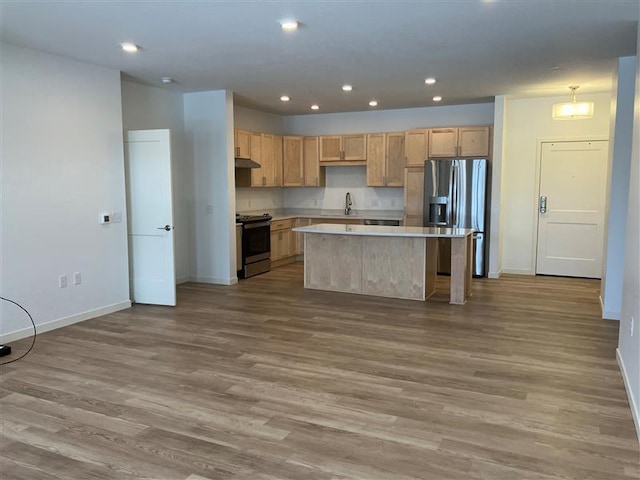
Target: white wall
{"type": "Point", "coordinates": [497, 185]}
{"type": "Point", "coordinates": [146, 108]}
{"type": "Point", "coordinates": [629, 346]}
{"type": "Point", "coordinates": [618, 191]}
{"type": "Point", "coordinates": [267, 199]}
{"type": "Point", "coordinates": [208, 120]}
{"type": "Point", "coordinates": [341, 180]}
{"type": "Point", "coordinates": [528, 120]}
{"type": "Point", "coordinates": [62, 164]}
{"type": "Point", "coordinates": [257, 121]}
{"type": "Point", "coordinates": [389, 120]}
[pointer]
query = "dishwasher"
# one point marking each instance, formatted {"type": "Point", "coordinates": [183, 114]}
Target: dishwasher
{"type": "Point", "coordinates": [389, 223]}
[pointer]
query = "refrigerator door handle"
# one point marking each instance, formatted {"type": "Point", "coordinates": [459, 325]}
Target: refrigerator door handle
{"type": "Point", "coordinates": [454, 195]}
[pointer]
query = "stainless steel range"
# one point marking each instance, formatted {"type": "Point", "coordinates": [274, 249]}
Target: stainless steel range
{"type": "Point", "coordinates": [256, 244]}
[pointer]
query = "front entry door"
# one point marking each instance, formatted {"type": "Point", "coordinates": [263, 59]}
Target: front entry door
{"type": "Point", "coordinates": [150, 217]}
{"type": "Point", "coordinates": [571, 206]}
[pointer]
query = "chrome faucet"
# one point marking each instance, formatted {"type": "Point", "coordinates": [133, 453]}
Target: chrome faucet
{"type": "Point", "coordinates": [347, 204]}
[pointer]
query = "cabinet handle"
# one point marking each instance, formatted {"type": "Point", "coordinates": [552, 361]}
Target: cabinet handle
{"type": "Point", "coordinates": [317, 182]}
{"type": "Point", "coordinates": [264, 181]}
{"type": "Point", "coordinates": [301, 180]}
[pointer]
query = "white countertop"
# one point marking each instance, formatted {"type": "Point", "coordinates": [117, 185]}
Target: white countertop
{"type": "Point", "coordinates": [385, 231]}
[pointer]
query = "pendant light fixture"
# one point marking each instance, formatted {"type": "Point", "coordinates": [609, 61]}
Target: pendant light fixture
{"type": "Point", "coordinates": [572, 110]}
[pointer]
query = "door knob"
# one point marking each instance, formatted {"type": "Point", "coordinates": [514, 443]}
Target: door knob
{"type": "Point", "coordinates": [168, 228]}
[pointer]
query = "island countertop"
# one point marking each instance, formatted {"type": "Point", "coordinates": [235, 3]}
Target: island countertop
{"type": "Point", "coordinates": [385, 231]}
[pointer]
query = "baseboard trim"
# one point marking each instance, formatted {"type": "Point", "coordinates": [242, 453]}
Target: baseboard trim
{"type": "Point", "coordinates": [183, 279]}
{"type": "Point", "coordinates": [633, 404]}
{"type": "Point", "coordinates": [216, 280]}
{"type": "Point", "coordinates": [63, 322]}
{"type": "Point", "coordinates": [518, 271]}
{"type": "Point", "coordinates": [494, 275]}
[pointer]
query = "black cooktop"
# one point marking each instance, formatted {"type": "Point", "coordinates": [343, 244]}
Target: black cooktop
{"type": "Point", "coordinates": [252, 218]}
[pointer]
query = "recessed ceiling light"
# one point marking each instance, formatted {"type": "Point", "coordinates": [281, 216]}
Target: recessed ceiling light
{"type": "Point", "coordinates": [166, 80]}
{"type": "Point", "coordinates": [129, 47]}
{"type": "Point", "coordinates": [284, 98]}
{"type": "Point", "coordinates": [437, 98]}
{"type": "Point", "coordinates": [430, 81]}
{"type": "Point", "coordinates": [347, 88]}
{"type": "Point", "coordinates": [314, 107]}
{"type": "Point", "coordinates": [373, 103]}
{"type": "Point", "coordinates": [289, 25]}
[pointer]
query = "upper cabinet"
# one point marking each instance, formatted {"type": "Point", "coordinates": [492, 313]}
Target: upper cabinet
{"type": "Point", "coordinates": [266, 149]}
{"type": "Point", "coordinates": [242, 143]}
{"type": "Point", "coordinates": [343, 148]}
{"type": "Point", "coordinates": [385, 159]}
{"type": "Point", "coordinates": [459, 142]}
{"type": "Point", "coordinates": [293, 162]}
{"type": "Point", "coordinates": [415, 147]}
{"type": "Point", "coordinates": [314, 175]}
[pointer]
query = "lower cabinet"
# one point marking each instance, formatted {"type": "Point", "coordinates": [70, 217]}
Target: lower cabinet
{"type": "Point", "coordinates": [283, 243]}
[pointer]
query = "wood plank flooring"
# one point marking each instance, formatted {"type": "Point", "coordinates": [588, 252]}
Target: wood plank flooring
{"type": "Point", "coordinates": [266, 380]}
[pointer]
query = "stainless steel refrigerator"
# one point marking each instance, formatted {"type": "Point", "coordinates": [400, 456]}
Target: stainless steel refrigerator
{"type": "Point", "coordinates": [455, 193]}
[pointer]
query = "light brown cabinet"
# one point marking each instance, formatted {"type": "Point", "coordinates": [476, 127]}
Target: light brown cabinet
{"type": "Point", "coordinates": [242, 141]}
{"type": "Point", "coordinates": [413, 196]}
{"type": "Point", "coordinates": [299, 237]}
{"type": "Point", "coordinates": [314, 175]}
{"type": "Point", "coordinates": [278, 161]}
{"type": "Point", "coordinates": [266, 149]}
{"type": "Point", "coordinates": [343, 148]}
{"type": "Point", "coordinates": [385, 159]}
{"type": "Point", "coordinates": [293, 162]}
{"type": "Point", "coordinates": [415, 147]}
{"type": "Point", "coordinates": [459, 142]}
{"type": "Point", "coordinates": [282, 240]}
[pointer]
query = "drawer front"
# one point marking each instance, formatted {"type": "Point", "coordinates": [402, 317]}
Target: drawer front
{"type": "Point", "coordinates": [281, 224]}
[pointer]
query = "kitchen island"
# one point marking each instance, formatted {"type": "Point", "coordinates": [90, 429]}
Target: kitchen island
{"type": "Point", "coordinates": [398, 262]}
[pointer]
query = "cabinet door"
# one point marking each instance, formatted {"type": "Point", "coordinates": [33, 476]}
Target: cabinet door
{"type": "Point", "coordinates": [278, 161]}
{"type": "Point", "coordinates": [473, 141]}
{"type": "Point", "coordinates": [311, 157]}
{"type": "Point", "coordinates": [413, 193]}
{"type": "Point", "coordinates": [394, 174]}
{"type": "Point", "coordinates": [443, 142]}
{"type": "Point", "coordinates": [293, 170]}
{"type": "Point", "coordinates": [415, 147]}
{"type": "Point", "coordinates": [288, 243]}
{"type": "Point", "coordinates": [375, 160]}
{"type": "Point", "coordinates": [243, 143]}
{"type": "Point", "coordinates": [299, 237]}
{"type": "Point", "coordinates": [257, 175]}
{"type": "Point", "coordinates": [330, 148]}
{"type": "Point", "coordinates": [354, 147]}
{"type": "Point", "coordinates": [276, 248]}
{"type": "Point", "coordinates": [268, 178]}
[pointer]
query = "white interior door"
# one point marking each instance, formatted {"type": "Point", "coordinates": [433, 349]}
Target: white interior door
{"type": "Point", "coordinates": [150, 217]}
{"type": "Point", "coordinates": [571, 208]}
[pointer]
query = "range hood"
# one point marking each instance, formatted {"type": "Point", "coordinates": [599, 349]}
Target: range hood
{"type": "Point", "coordinates": [246, 163]}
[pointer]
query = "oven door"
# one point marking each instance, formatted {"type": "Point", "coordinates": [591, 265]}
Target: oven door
{"type": "Point", "coordinates": [256, 241]}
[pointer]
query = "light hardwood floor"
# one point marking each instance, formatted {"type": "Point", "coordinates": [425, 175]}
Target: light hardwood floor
{"type": "Point", "coordinates": [266, 380]}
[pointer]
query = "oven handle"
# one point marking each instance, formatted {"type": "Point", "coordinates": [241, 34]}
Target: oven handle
{"type": "Point", "coordinates": [248, 226]}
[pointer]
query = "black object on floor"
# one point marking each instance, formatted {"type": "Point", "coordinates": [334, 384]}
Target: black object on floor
{"type": "Point", "coordinates": [5, 350]}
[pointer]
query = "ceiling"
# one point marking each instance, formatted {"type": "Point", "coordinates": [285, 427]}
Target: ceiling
{"type": "Point", "coordinates": [475, 48]}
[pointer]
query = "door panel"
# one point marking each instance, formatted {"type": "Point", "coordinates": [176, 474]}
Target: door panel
{"type": "Point", "coordinates": [149, 208]}
{"type": "Point", "coordinates": [571, 231]}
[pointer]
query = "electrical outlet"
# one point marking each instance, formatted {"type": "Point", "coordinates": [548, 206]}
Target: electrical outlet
{"type": "Point", "coordinates": [77, 278]}
{"type": "Point", "coordinates": [209, 209]}
{"type": "Point", "coordinates": [62, 281]}
{"type": "Point", "coordinates": [375, 202]}
{"type": "Point", "coordinates": [631, 325]}
{"type": "Point", "coordinates": [393, 202]}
